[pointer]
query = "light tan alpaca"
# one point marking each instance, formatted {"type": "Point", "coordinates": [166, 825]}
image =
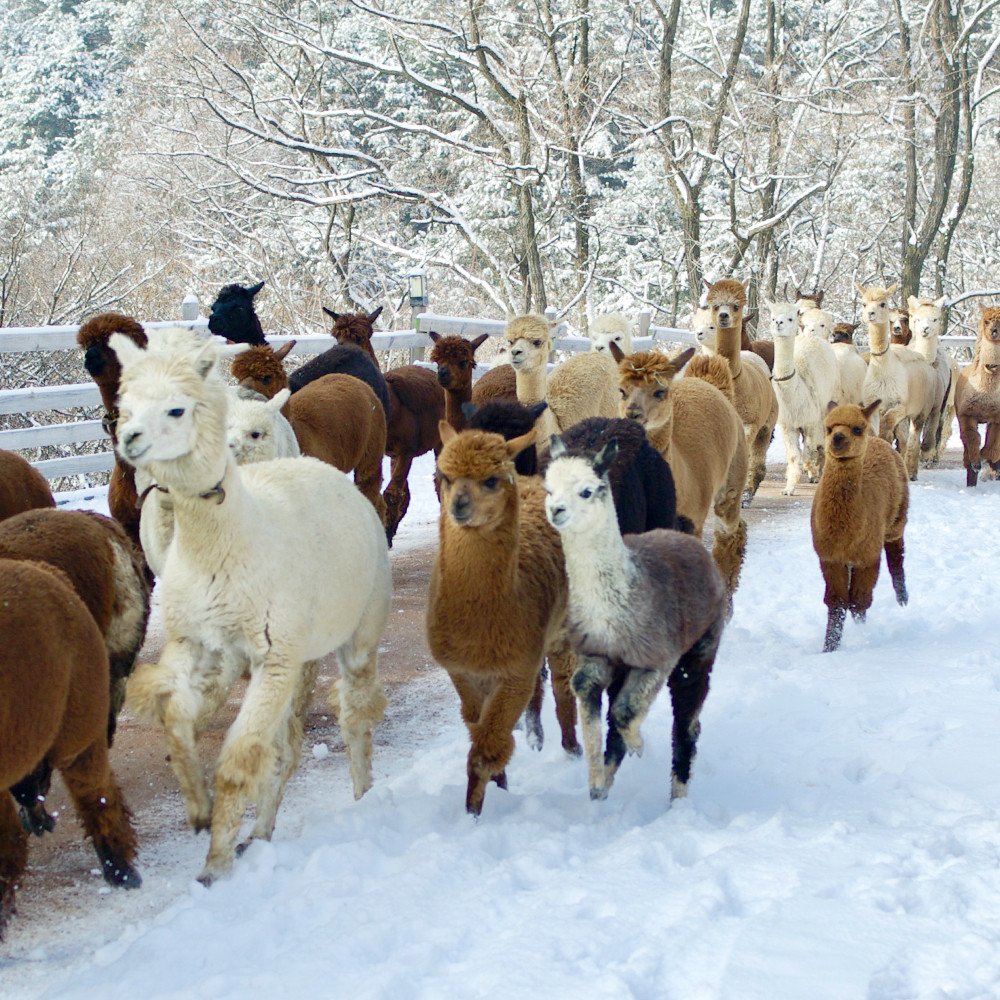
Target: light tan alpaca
{"type": "Point", "coordinates": [977, 399]}
{"type": "Point", "coordinates": [753, 396]}
{"type": "Point", "coordinates": [700, 434]}
{"type": "Point", "coordinates": [897, 376]}
{"type": "Point", "coordinates": [584, 386]}
{"type": "Point", "coordinates": [859, 509]}
{"type": "Point", "coordinates": [818, 323]}
{"type": "Point", "coordinates": [926, 324]}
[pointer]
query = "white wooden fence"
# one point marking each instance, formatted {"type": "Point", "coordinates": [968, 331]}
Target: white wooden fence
{"type": "Point", "coordinates": [29, 399]}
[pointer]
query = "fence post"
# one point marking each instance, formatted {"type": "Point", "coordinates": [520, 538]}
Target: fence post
{"type": "Point", "coordinates": [550, 318]}
{"type": "Point", "coordinates": [190, 307]}
{"type": "Point", "coordinates": [645, 319]}
{"type": "Point", "coordinates": [416, 353]}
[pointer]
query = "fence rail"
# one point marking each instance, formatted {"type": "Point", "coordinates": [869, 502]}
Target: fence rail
{"type": "Point", "coordinates": [16, 340]}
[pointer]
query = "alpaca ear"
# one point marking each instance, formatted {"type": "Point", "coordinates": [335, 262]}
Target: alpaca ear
{"type": "Point", "coordinates": [605, 458]}
{"type": "Point", "coordinates": [832, 405]}
{"type": "Point", "coordinates": [254, 289]}
{"type": "Point", "coordinates": [277, 401]}
{"type": "Point", "coordinates": [446, 431]}
{"type": "Point", "coordinates": [557, 447]}
{"type": "Point", "coordinates": [912, 302]}
{"type": "Point", "coordinates": [537, 409]}
{"type": "Point", "coordinates": [479, 341]}
{"type": "Point", "coordinates": [334, 316]}
{"type": "Point", "coordinates": [434, 336]}
{"type": "Point", "coordinates": [891, 290]}
{"type": "Point", "coordinates": [616, 352]}
{"type": "Point", "coordinates": [231, 350]}
{"type": "Point", "coordinates": [860, 290]}
{"type": "Point", "coordinates": [682, 359]}
{"type": "Point", "coordinates": [707, 284]}
{"type": "Point", "coordinates": [516, 445]}
{"type": "Point", "coordinates": [469, 410]}
{"type": "Point", "coordinates": [126, 349]}
{"type": "Point", "coordinates": [871, 408]}
{"type": "Point", "coordinates": [372, 316]}
{"type": "Point", "coordinates": [208, 355]}
{"type": "Point", "coordinates": [939, 303]}
{"type": "Point", "coordinates": [284, 350]}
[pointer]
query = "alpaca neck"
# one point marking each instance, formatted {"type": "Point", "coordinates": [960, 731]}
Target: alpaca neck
{"type": "Point", "coordinates": [480, 564]}
{"type": "Point", "coordinates": [784, 359]}
{"type": "Point", "coordinates": [727, 344]}
{"type": "Point", "coordinates": [878, 340]}
{"type": "Point", "coordinates": [531, 385]}
{"type": "Point", "coordinates": [661, 436]}
{"type": "Point", "coordinates": [208, 525]}
{"type": "Point", "coordinates": [841, 484]}
{"type": "Point", "coordinates": [926, 347]}
{"type": "Point", "coordinates": [453, 400]}
{"type": "Point", "coordinates": [598, 563]}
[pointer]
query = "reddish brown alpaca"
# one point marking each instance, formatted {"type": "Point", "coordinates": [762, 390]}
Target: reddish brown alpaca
{"type": "Point", "coordinates": [22, 487]}
{"type": "Point", "coordinates": [102, 364]}
{"type": "Point", "coordinates": [728, 305]}
{"type": "Point", "coordinates": [455, 358]}
{"type": "Point", "coordinates": [899, 324]}
{"type": "Point", "coordinates": [977, 399]}
{"type": "Point", "coordinates": [416, 406]}
{"type": "Point", "coordinates": [497, 600]}
{"type": "Point", "coordinates": [859, 509]}
{"type": "Point", "coordinates": [54, 709]}
{"type": "Point", "coordinates": [336, 418]}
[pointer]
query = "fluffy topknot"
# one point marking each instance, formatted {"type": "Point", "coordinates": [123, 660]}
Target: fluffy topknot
{"type": "Point", "coordinates": [646, 368]}
{"type": "Point", "coordinates": [530, 326]}
{"type": "Point", "coordinates": [256, 362]}
{"type": "Point", "coordinates": [97, 329]}
{"type": "Point", "coordinates": [451, 350]}
{"type": "Point", "coordinates": [715, 371]}
{"type": "Point", "coordinates": [476, 455]}
{"type": "Point", "coordinates": [727, 290]}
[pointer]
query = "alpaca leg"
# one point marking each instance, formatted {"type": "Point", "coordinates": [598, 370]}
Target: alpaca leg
{"type": "Point", "coordinates": [359, 703]}
{"type": "Point", "coordinates": [730, 545]}
{"type": "Point", "coordinates": [615, 750]}
{"type": "Point", "coordinates": [912, 459]}
{"type": "Point", "coordinates": [814, 452]}
{"type": "Point", "coordinates": [862, 585]}
{"type": "Point", "coordinates": [368, 478]}
{"type": "Point", "coordinates": [103, 813]}
{"type": "Point", "coordinates": [562, 662]}
{"type": "Point", "coordinates": [492, 737]}
{"type": "Point", "coordinates": [397, 493]}
{"type": "Point", "coordinates": [30, 793]}
{"type": "Point", "coordinates": [931, 436]}
{"type": "Point", "coordinates": [472, 692]}
{"type": "Point", "coordinates": [533, 731]}
{"type": "Point", "coordinates": [631, 705]}
{"type": "Point", "coordinates": [972, 456]}
{"type": "Point", "coordinates": [689, 682]}
{"type": "Point", "coordinates": [837, 577]}
{"type": "Point", "coordinates": [894, 559]}
{"type": "Point", "coordinates": [13, 857]}
{"type": "Point", "coordinates": [758, 465]}
{"type": "Point", "coordinates": [991, 447]}
{"type": "Point", "coordinates": [793, 470]}
{"type": "Point", "coordinates": [592, 678]}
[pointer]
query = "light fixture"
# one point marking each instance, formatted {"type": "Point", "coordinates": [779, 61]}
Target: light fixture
{"type": "Point", "coordinates": [417, 283]}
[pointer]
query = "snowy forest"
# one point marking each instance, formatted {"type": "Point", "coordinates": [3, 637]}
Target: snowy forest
{"type": "Point", "coordinates": [579, 154]}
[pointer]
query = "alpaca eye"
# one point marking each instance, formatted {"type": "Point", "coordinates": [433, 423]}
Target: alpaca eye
{"type": "Point", "coordinates": [266, 380]}
{"type": "Point", "coordinates": [659, 394]}
{"type": "Point", "coordinates": [463, 365]}
{"type": "Point", "coordinates": [857, 431]}
{"type": "Point", "coordinates": [256, 435]}
{"type": "Point", "coordinates": [624, 393]}
{"type": "Point", "coordinates": [491, 483]}
{"type": "Point", "coordinates": [586, 493]}
{"type": "Point", "coordinates": [537, 343]}
{"type": "Point", "coordinates": [176, 412]}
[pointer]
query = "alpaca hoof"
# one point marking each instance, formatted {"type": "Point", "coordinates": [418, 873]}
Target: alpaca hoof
{"type": "Point", "coordinates": [36, 821]}
{"type": "Point", "coordinates": [788, 491]}
{"type": "Point", "coordinates": [241, 847]}
{"type": "Point", "coordinates": [500, 780]}
{"type": "Point", "coordinates": [123, 875]}
{"type": "Point", "coordinates": [534, 733]}
{"type": "Point", "coordinates": [573, 749]}
{"type": "Point", "coordinates": [972, 474]}
{"type": "Point", "coordinates": [206, 879]}
{"type": "Point", "coordinates": [598, 794]}
{"type": "Point", "coordinates": [860, 616]}
{"type": "Point", "coordinates": [678, 788]}
{"type": "Point", "coordinates": [902, 597]}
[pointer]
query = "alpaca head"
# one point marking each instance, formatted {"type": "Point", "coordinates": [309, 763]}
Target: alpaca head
{"type": "Point", "coordinates": [726, 299]}
{"type": "Point", "coordinates": [232, 315]}
{"type": "Point", "coordinates": [805, 301]}
{"type": "Point", "coordinates": [354, 328]}
{"type": "Point", "coordinates": [646, 382]}
{"type": "Point", "coordinates": [926, 316]}
{"type": "Point", "coordinates": [705, 328]}
{"type": "Point", "coordinates": [455, 358]}
{"type": "Point", "coordinates": [252, 426]}
{"type": "Point", "coordinates": [847, 431]}
{"type": "Point", "coordinates": [100, 361]}
{"type": "Point", "coordinates": [784, 319]}
{"type": "Point", "coordinates": [899, 326]}
{"type": "Point", "coordinates": [843, 333]}
{"type": "Point", "coordinates": [478, 480]}
{"type": "Point", "coordinates": [875, 303]}
{"type": "Point", "coordinates": [577, 492]}
{"type": "Point", "coordinates": [817, 323]}
{"type": "Point", "coordinates": [260, 369]}
{"type": "Point", "coordinates": [989, 324]}
{"type": "Point", "coordinates": [611, 328]}
{"type": "Point", "coordinates": [170, 402]}
{"type": "Point", "coordinates": [529, 340]}
{"type": "Point", "coordinates": [510, 419]}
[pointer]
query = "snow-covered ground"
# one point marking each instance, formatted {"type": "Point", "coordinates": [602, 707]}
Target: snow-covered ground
{"type": "Point", "coordinates": [841, 837]}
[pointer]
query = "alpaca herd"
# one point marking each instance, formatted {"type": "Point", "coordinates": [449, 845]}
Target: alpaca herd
{"type": "Point", "coordinates": [572, 508]}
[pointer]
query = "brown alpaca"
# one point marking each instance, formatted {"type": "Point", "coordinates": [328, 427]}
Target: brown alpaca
{"type": "Point", "coordinates": [332, 417]}
{"type": "Point", "coordinates": [497, 600]}
{"type": "Point", "coordinates": [700, 434]}
{"type": "Point", "coordinates": [54, 709]}
{"type": "Point", "coordinates": [977, 398]}
{"type": "Point", "coordinates": [416, 407]}
{"type": "Point", "coordinates": [102, 364]}
{"type": "Point", "coordinates": [729, 300]}
{"type": "Point", "coordinates": [899, 324]}
{"type": "Point", "coordinates": [753, 396]}
{"type": "Point", "coordinates": [455, 358]}
{"type": "Point", "coordinates": [859, 509]}
{"type": "Point", "coordinates": [108, 574]}
{"type": "Point", "coordinates": [495, 386]}
{"type": "Point", "coordinates": [843, 333]}
{"type": "Point", "coordinates": [22, 486]}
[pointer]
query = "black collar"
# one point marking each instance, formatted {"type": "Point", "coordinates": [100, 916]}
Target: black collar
{"type": "Point", "coordinates": [217, 492]}
{"type": "Point", "coordinates": [872, 354]}
{"type": "Point", "coordinates": [784, 378]}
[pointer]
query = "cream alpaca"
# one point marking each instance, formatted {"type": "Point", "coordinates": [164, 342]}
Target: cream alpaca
{"type": "Point", "coordinates": [257, 577]}
{"type": "Point", "coordinates": [611, 327]}
{"type": "Point", "coordinates": [256, 429]}
{"type": "Point", "coordinates": [851, 367]}
{"type": "Point", "coordinates": [926, 327]}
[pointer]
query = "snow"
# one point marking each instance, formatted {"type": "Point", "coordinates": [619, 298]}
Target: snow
{"type": "Point", "coordinates": [841, 837]}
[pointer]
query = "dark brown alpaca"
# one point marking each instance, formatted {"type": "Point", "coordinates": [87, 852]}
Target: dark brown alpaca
{"type": "Point", "coordinates": [108, 574]}
{"type": "Point", "coordinates": [54, 709]}
{"type": "Point", "coordinates": [455, 358]}
{"type": "Point", "coordinates": [416, 406]}
{"type": "Point", "coordinates": [22, 487]}
{"type": "Point", "coordinates": [843, 333]}
{"type": "Point", "coordinates": [102, 365]}
{"type": "Point", "coordinates": [899, 325]}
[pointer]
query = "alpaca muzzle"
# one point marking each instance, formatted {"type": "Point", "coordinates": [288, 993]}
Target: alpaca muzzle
{"type": "Point", "coordinates": [444, 377]}
{"type": "Point", "coordinates": [557, 514]}
{"type": "Point", "coordinates": [461, 509]}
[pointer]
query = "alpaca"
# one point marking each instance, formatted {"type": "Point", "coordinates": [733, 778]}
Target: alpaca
{"type": "Point", "coordinates": [753, 397]}
{"type": "Point", "coordinates": [332, 416]}
{"type": "Point", "coordinates": [696, 428]}
{"type": "Point", "coordinates": [103, 367]}
{"type": "Point", "coordinates": [499, 383]}
{"type": "Point", "coordinates": [926, 327]}
{"type": "Point", "coordinates": [233, 317]}
{"type": "Point", "coordinates": [107, 572]}
{"type": "Point", "coordinates": [497, 599]}
{"type": "Point", "coordinates": [805, 379]}
{"type": "Point", "coordinates": [859, 509]}
{"type": "Point", "coordinates": [54, 711]}
{"type": "Point", "coordinates": [271, 567]}
{"type": "Point", "coordinates": [455, 358]}
{"type": "Point", "coordinates": [342, 359]}
{"type": "Point", "coordinates": [643, 610]}
{"type": "Point", "coordinates": [22, 486]}
{"type": "Point", "coordinates": [416, 406]}
{"type": "Point", "coordinates": [583, 386]}
{"type": "Point", "coordinates": [843, 333]}
{"type": "Point", "coordinates": [510, 419]}
{"type": "Point", "coordinates": [706, 329]}
{"type": "Point", "coordinates": [977, 398]}
{"type": "Point", "coordinates": [899, 324]}
{"type": "Point", "coordinates": [611, 327]}
{"type": "Point", "coordinates": [256, 429]}
{"type": "Point", "coordinates": [899, 377]}
{"type": "Point", "coordinates": [804, 301]}
{"type": "Point", "coordinates": [729, 304]}
{"type": "Point", "coordinates": [850, 366]}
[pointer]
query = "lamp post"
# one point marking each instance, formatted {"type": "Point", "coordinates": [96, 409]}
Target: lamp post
{"type": "Point", "coordinates": [416, 285]}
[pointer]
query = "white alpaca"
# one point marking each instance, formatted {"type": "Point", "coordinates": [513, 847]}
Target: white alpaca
{"type": "Point", "coordinates": [850, 365]}
{"type": "Point", "coordinates": [271, 567]}
{"type": "Point", "coordinates": [256, 429]}
{"type": "Point", "coordinates": [611, 327]}
{"type": "Point", "coordinates": [926, 327]}
{"type": "Point", "coordinates": [706, 332]}
{"type": "Point", "coordinates": [805, 380]}
{"type": "Point", "coordinates": [897, 376]}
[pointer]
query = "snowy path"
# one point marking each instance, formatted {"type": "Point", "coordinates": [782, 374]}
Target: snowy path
{"type": "Point", "coordinates": [841, 838]}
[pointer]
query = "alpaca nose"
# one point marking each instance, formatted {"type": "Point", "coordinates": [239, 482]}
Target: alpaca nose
{"type": "Point", "coordinates": [838, 439]}
{"type": "Point", "coordinates": [461, 508]}
{"type": "Point", "coordinates": [633, 413]}
{"type": "Point", "coordinates": [131, 437]}
{"type": "Point", "coordinates": [444, 376]}
{"type": "Point", "coordinates": [557, 514]}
